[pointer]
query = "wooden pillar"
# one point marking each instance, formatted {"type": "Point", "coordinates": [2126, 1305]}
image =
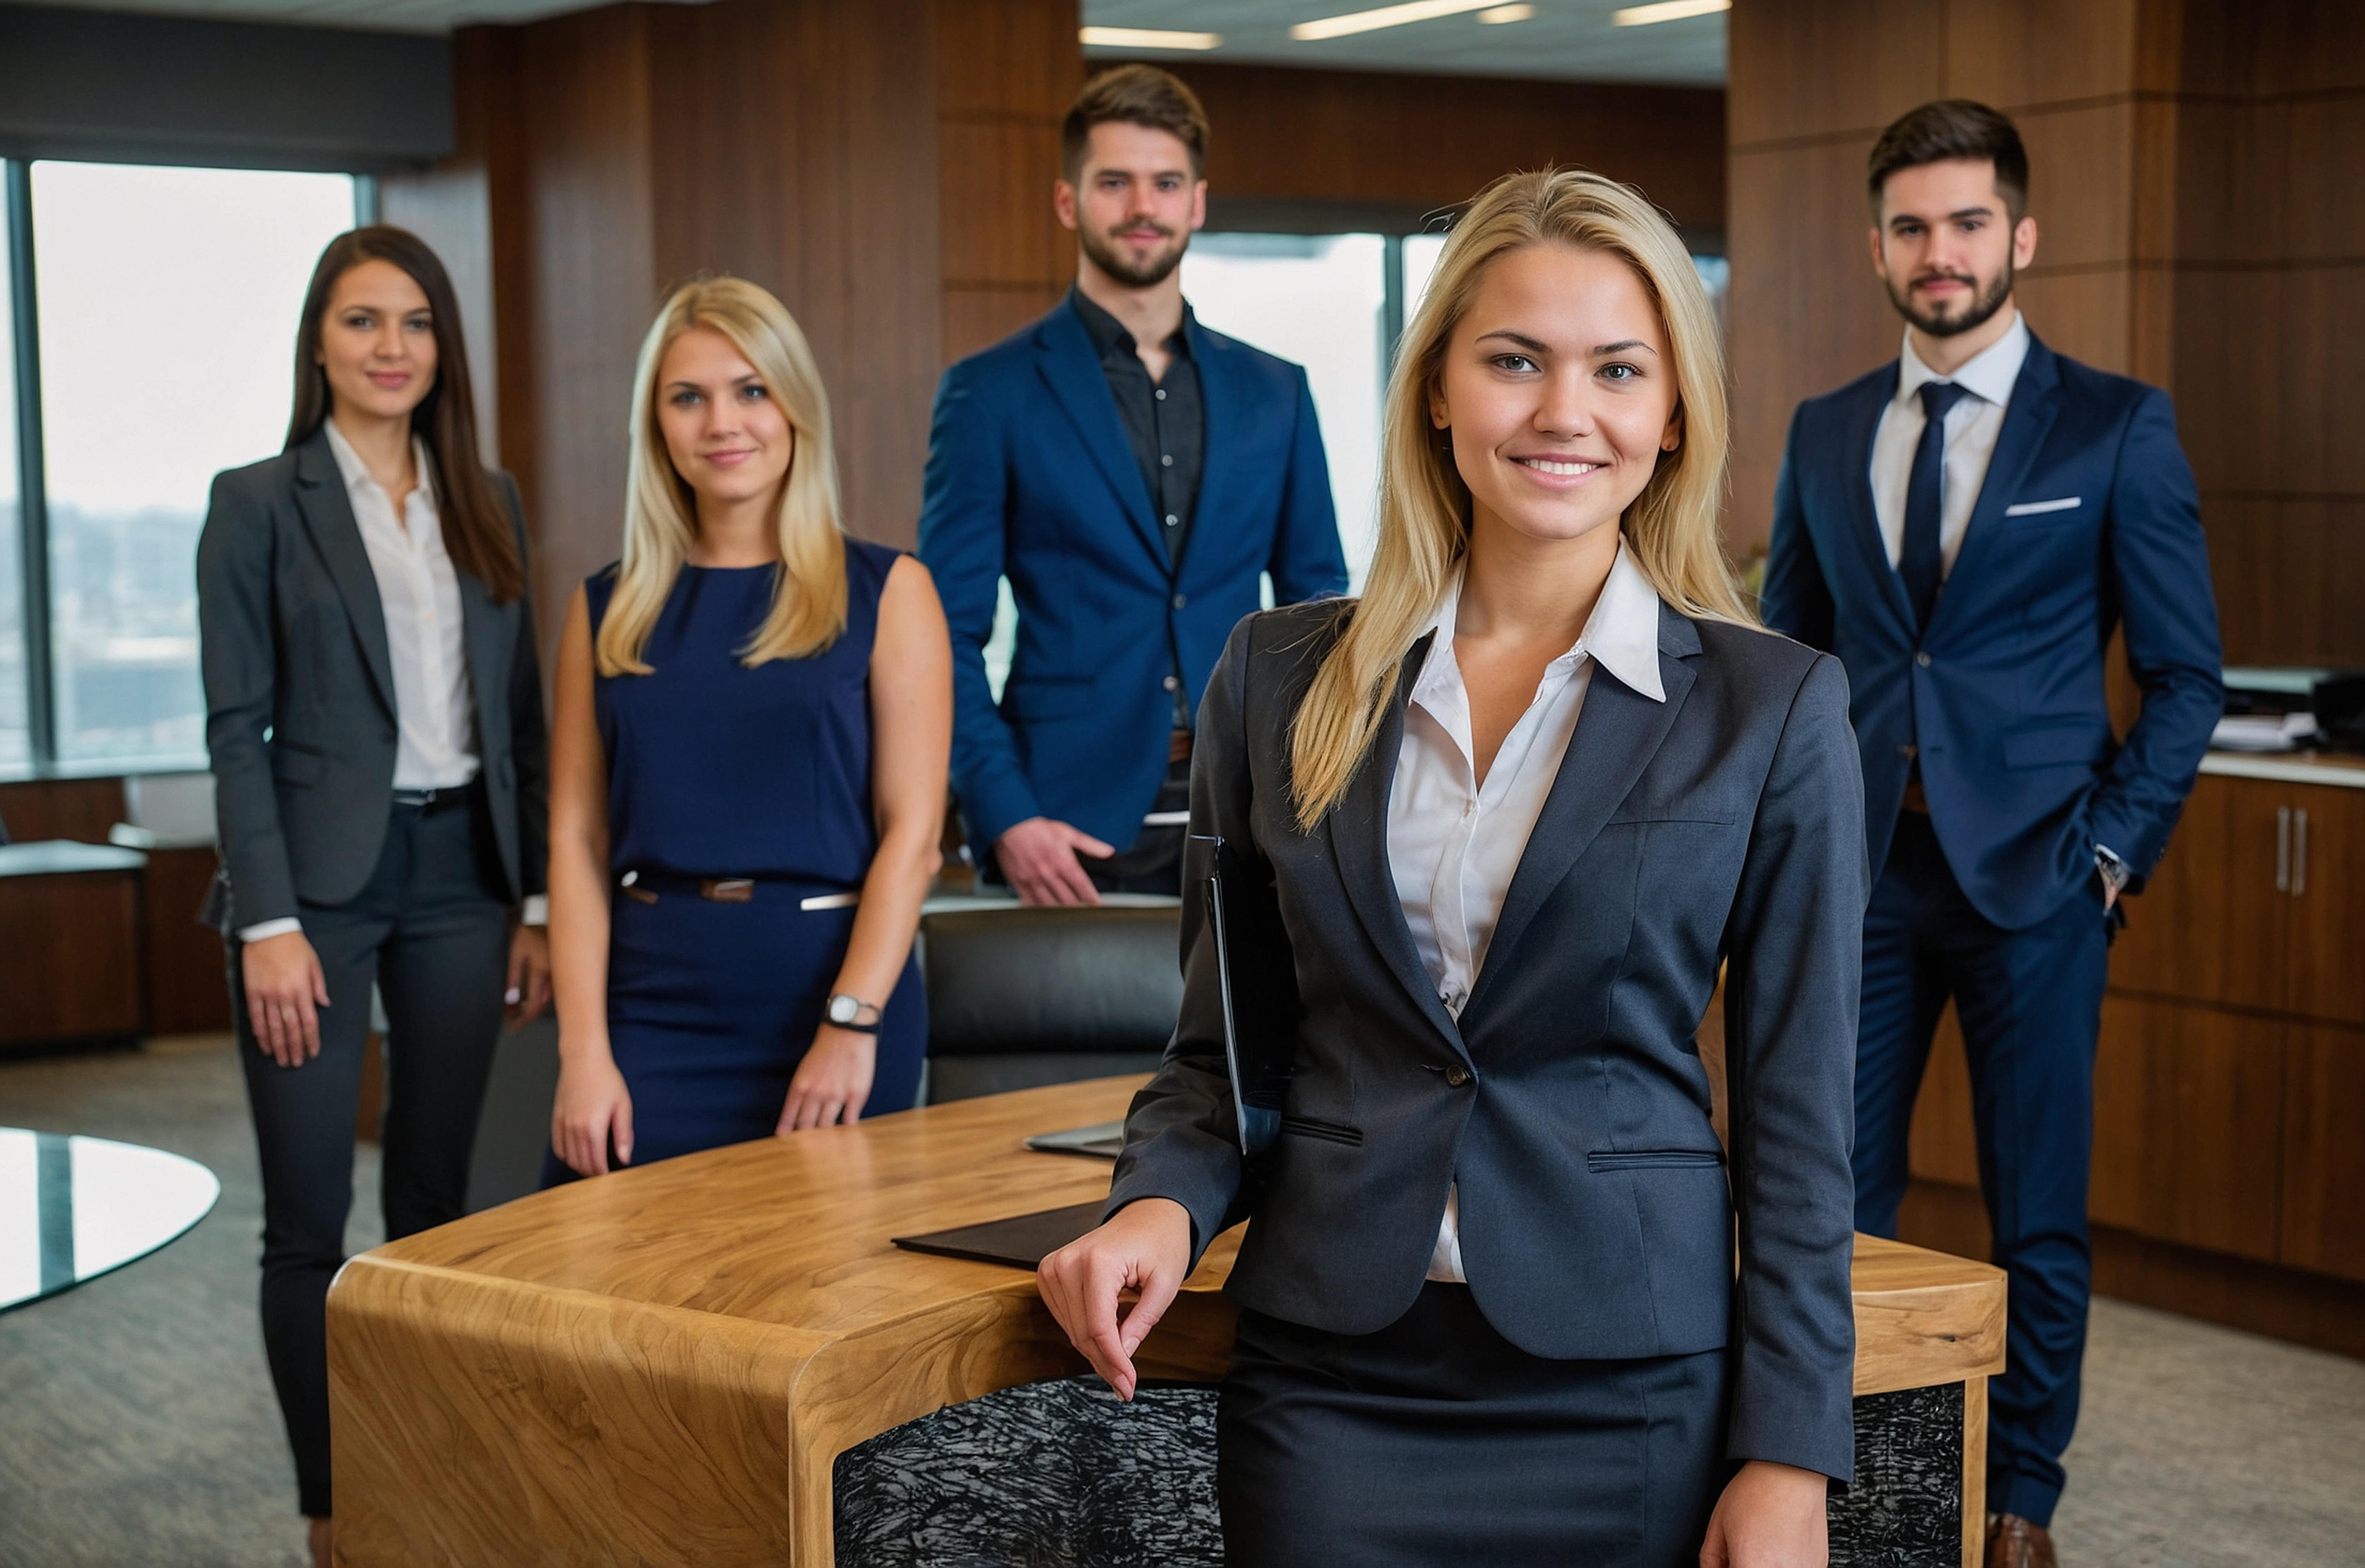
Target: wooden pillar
{"type": "Point", "coordinates": [885, 169]}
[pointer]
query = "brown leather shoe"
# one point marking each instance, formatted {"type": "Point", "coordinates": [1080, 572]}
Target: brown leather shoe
{"type": "Point", "coordinates": [2013, 1542]}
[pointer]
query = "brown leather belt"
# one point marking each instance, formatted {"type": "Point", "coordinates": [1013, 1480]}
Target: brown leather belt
{"type": "Point", "coordinates": [1178, 746]}
{"type": "Point", "coordinates": [1915, 800]}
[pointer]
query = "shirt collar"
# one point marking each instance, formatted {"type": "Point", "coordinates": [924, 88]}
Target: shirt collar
{"type": "Point", "coordinates": [356, 473]}
{"type": "Point", "coordinates": [1621, 634]}
{"type": "Point", "coordinates": [1990, 375]}
{"type": "Point", "coordinates": [1109, 334]}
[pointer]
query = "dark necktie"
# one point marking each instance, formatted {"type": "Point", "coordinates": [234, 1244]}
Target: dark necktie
{"type": "Point", "coordinates": [1918, 561]}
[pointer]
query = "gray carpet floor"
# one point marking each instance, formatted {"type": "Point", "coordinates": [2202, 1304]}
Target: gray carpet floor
{"type": "Point", "coordinates": [137, 1425]}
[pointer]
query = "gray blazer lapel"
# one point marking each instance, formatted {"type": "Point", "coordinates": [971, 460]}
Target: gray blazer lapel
{"type": "Point", "coordinates": [1358, 828]}
{"type": "Point", "coordinates": [329, 517]}
{"type": "Point", "coordinates": [1617, 734]}
{"type": "Point", "coordinates": [487, 638]}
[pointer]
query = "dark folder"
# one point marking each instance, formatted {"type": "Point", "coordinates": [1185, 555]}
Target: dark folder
{"type": "Point", "coordinates": [1022, 1241]}
{"type": "Point", "coordinates": [1259, 1013]}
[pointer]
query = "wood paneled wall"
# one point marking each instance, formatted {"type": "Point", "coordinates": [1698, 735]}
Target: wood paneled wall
{"type": "Point", "coordinates": [604, 155]}
{"type": "Point", "coordinates": [2268, 321]}
{"type": "Point", "coordinates": [2199, 226]}
{"type": "Point", "coordinates": [1004, 76]}
{"type": "Point", "coordinates": [1428, 141]}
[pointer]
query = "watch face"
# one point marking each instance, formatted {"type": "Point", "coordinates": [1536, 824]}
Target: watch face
{"type": "Point", "coordinates": [841, 1009]}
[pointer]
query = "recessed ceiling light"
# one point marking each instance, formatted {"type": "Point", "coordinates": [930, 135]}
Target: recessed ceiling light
{"type": "Point", "coordinates": [1146, 38]}
{"type": "Point", "coordinates": [1666, 11]}
{"type": "Point", "coordinates": [1495, 16]}
{"type": "Point", "coordinates": [1385, 17]}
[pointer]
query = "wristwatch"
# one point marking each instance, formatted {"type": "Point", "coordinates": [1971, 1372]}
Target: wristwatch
{"type": "Point", "coordinates": [2113, 870]}
{"type": "Point", "coordinates": [848, 1013]}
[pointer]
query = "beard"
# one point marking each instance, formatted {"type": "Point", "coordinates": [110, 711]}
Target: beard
{"type": "Point", "coordinates": [1145, 274]}
{"type": "Point", "coordinates": [1984, 304]}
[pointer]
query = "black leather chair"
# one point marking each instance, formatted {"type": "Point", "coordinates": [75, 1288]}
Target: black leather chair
{"type": "Point", "coordinates": [1023, 997]}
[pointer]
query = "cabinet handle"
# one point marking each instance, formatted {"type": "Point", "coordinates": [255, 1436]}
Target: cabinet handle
{"type": "Point", "coordinates": [2299, 858]}
{"type": "Point", "coordinates": [2282, 849]}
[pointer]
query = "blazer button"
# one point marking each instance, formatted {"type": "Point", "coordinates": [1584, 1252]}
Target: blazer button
{"type": "Point", "coordinates": [1921, 659]}
{"type": "Point", "coordinates": [1457, 1075]}
{"type": "Point", "coordinates": [1180, 600]}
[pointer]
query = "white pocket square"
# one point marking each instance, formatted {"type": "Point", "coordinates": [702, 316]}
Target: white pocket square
{"type": "Point", "coordinates": [2030, 509]}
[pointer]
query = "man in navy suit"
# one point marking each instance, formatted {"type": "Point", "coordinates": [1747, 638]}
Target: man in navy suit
{"type": "Point", "coordinates": [1132, 474]}
{"type": "Point", "coordinates": [1966, 528]}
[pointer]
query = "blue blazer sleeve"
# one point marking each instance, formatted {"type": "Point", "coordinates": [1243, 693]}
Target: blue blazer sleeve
{"type": "Point", "coordinates": [1794, 960]}
{"type": "Point", "coordinates": [1307, 562]}
{"type": "Point", "coordinates": [1795, 599]}
{"type": "Point", "coordinates": [963, 538]}
{"type": "Point", "coordinates": [238, 653]}
{"type": "Point", "coordinates": [2160, 566]}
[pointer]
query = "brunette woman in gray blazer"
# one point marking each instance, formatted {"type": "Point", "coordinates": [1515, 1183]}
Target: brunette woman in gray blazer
{"type": "Point", "coordinates": [1505, 816]}
{"type": "Point", "coordinates": [373, 712]}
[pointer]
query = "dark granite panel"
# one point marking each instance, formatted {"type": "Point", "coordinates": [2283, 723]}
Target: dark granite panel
{"type": "Point", "coordinates": [1060, 1474]}
{"type": "Point", "coordinates": [1905, 1509]}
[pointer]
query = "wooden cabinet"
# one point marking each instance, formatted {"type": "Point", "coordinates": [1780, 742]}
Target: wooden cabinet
{"type": "Point", "coordinates": [2325, 934]}
{"type": "Point", "coordinates": [2210, 924]}
{"type": "Point", "coordinates": [2229, 1078]}
{"type": "Point", "coordinates": [2189, 1107]}
{"type": "Point", "coordinates": [2324, 1150]}
{"type": "Point", "coordinates": [2260, 903]}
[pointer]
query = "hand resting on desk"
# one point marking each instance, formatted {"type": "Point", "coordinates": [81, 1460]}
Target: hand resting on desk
{"type": "Point", "coordinates": [1145, 1248]}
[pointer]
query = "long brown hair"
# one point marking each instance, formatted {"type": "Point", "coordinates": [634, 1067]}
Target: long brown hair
{"type": "Point", "coordinates": [476, 527]}
{"type": "Point", "coordinates": [1670, 529]}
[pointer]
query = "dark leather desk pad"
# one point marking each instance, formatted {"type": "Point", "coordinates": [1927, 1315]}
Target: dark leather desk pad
{"type": "Point", "coordinates": [1021, 1241]}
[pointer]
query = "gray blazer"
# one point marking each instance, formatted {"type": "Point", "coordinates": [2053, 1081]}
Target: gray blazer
{"type": "Point", "coordinates": [299, 695]}
{"type": "Point", "coordinates": [1569, 1101]}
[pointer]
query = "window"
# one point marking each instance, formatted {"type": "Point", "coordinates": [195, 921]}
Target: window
{"type": "Point", "coordinates": [16, 741]}
{"type": "Point", "coordinates": [166, 302]}
{"type": "Point", "coordinates": [1319, 299]}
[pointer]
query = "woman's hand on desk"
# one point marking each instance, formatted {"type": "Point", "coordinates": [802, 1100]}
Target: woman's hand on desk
{"type": "Point", "coordinates": [1145, 1248]}
{"type": "Point", "coordinates": [593, 1108]}
{"type": "Point", "coordinates": [1771, 1515]}
{"type": "Point", "coordinates": [284, 989]}
{"type": "Point", "coordinates": [832, 1083]}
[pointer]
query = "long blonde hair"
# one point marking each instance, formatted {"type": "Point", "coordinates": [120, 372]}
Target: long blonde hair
{"type": "Point", "coordinates": [1670, 528]}
{"type": "Point", "coordinates": [660, 511]}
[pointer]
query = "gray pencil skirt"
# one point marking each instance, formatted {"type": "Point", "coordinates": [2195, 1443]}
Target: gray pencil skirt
{"type": "Point", "coordinates": [1437, 1441]}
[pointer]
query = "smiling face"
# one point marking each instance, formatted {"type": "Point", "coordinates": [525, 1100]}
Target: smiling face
{"type": "Point", "coordinates": [1946, 245]}
{"type": "Point", "coordinates": [1559, 391]}
{"type": "Point", "coordinates": [1135, 203]}
{"type": "Point", "coordinates": [377, 342]}
{"type": "Point", "coordinates": [728, 437]}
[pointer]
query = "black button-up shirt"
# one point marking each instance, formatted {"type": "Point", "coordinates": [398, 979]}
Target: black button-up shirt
{"type": "Point", "coordinates": [1165, 422]}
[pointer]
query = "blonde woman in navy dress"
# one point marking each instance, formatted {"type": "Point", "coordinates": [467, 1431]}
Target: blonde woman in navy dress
{"type": "Point", "coordinates": [748, 758]}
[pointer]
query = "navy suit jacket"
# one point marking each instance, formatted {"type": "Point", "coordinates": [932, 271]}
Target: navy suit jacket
{"type": "Point", "coordinates": [1030, 477]}
{"type": "Point", "coordinates": [1568, 1099]}
{"type": "Point", "coordinates": [2087, 518]}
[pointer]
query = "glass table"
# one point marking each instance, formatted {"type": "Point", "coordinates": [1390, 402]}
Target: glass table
{"type": "Point", "coordinates": [73, 1208]}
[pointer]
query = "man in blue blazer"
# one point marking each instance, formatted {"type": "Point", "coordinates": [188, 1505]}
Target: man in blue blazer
{"type": "Point", "coordinates": [1966, 528]}
{"type": "Point", "coordinates": [1132, 474]}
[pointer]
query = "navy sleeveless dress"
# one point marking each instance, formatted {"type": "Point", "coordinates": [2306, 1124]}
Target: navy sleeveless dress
{"type": "Point", "coordinates": [716, 770]}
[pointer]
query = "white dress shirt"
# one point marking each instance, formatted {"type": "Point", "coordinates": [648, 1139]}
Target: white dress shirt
{"type": "Point", "coordinates": [1453, 841]}
{"type": "Point", "coordinates": [419, 594]}
{"type": "Point", "coordinates": [1972, 425]}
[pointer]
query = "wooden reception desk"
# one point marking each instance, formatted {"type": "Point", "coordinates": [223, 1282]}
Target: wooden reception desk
{"type": "Point", "coordinates": [660, 1366]}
